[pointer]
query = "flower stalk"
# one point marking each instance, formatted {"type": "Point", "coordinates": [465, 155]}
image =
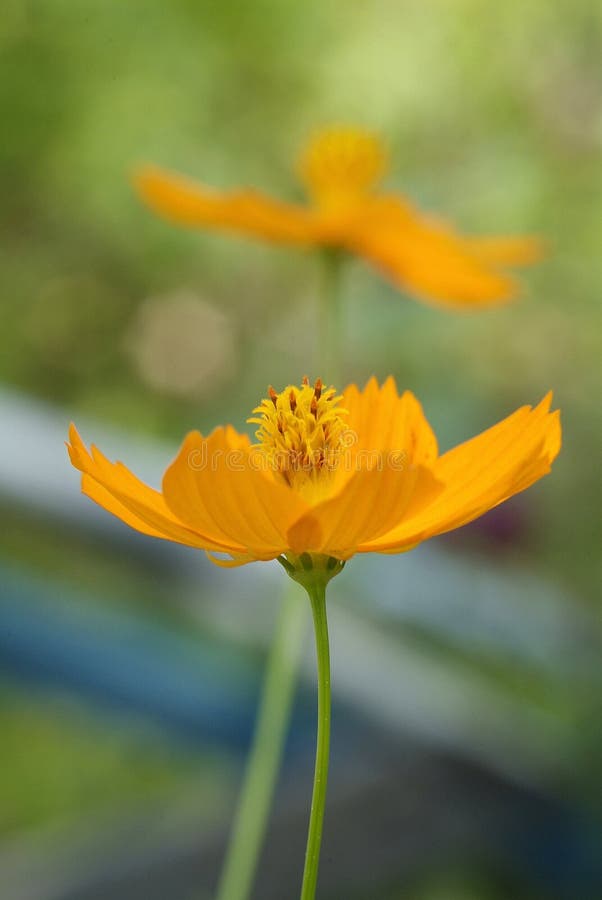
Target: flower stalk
{"type": "Point", "coordinates": [314, 571]}
{"type": "Point", "coordinates": [330, 347]}
{"type": "Point", "coordinates": [317, 595]}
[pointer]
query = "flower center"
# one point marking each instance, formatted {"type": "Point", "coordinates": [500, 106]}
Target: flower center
{"type": "Point", "coordinates": [302, 432]}
{"type": "Point", "coordinates": [341, 165]}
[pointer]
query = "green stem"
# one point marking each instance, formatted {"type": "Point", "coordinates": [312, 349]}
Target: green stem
{"type": "Point", "coordinates": [264, 762]}
{"type": "Point", "coordinates": [330, 343]}
{"type": "Point", "coordinates": [317, 594]}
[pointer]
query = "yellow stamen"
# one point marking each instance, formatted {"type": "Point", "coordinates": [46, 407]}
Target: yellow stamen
{"type": "Point", "coordinates": [301, 432]}
{"type": "Point", "coordinates": [342, 162]}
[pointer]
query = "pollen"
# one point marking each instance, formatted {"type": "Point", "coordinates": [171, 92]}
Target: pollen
{"type": "Point", "coordinates": [302, 432]}
{"type": "Point", "coordinates": [342, 161]}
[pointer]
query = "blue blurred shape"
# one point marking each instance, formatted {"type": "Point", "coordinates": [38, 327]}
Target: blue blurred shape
{"type": "Point", "coordinates": [560, 847]}
{"type": "Point", "coordinates": [188, 685]}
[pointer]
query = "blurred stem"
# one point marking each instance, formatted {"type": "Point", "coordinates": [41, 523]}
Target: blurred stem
{"type": "Point", "coordinates": [263, 765]}
{"type": "Point", "coordinates": [330, 326]}
{"type": "Point", "coordinates": [317, 595]}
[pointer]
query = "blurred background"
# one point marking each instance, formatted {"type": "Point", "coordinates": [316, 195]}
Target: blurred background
{"type": "Point", "coordinates": [467, 741]}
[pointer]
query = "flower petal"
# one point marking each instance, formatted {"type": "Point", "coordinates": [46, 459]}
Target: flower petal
{"type": "Point", "coordinates": [220, 482]}
{"type": "Point", "coordinates": [117, 490]}
{"type": "Point", "coordinates": [427, 257]}
{"type": "Point", "coordinates": [370, 504]}
{"type": "Point", "coordinates": [184, 201]}
{"type": "Point", "coordinates": [480, 474]}
{"type": "Point", "coordinates": [231, 562]}
{"type": "Point", "coordinates": [381, 422]}
{"type": "Point", "coordinates": [507, 251]}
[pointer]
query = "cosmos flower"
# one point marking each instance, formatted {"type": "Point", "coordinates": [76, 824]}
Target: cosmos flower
{"type": "Point", "coordinates": [340, 170]}
{"type": "Point", "coordinates": [329, 476]}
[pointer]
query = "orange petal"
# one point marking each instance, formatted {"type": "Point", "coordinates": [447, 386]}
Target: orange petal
{"type": "Point", "coordinates": [507, 251]}
{"type": "Point", "coordinates": [481, 473]}
{"type": "Point", "coordinates": [231, 562]}
{"type": "Point", "coordinates": [246, 211]}
{"type": "Point", "coordinates": [117, 490]}
{"type": "Point", "coordinates": [370, 504]}
{"type": "Point", "coordinates": [380, 420]}
{"type": "Point", "coordinates": [220, 481]}
{"type": "Point", "coordinates": [426, 257]}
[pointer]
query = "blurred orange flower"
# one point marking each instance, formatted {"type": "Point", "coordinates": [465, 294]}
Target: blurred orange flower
{"type": "Point", "coordinates": [330, 476]}
{"type": "Point", "coordinates": [341, 169]}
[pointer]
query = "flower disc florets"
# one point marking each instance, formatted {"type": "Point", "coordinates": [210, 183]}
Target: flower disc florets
{"type": "Point", "coordinates": [302, 431]}
{"type": "Point", "coordinates": [342, 161]}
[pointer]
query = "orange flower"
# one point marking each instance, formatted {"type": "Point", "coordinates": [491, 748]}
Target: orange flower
{"type": "Point", "coordinates": [340, 169]}
{"type": "Point", "coordinates": [329, 476]}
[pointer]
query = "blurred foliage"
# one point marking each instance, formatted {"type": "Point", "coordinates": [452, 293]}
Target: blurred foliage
{"type": "Point", "coordinates": [458, 885]}
{"type": "Point", "coordinates": [90, 567]}
{"type": "Point", "coordinates": [66, 764]}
